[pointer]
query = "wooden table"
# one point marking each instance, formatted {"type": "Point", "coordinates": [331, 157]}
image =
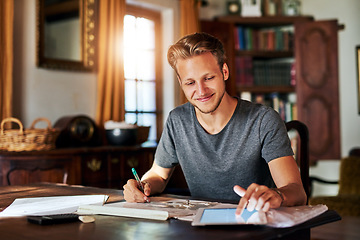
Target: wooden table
{"type": "Point", "coordinates": [348, 228]}
{"type": "Point", "coordinates": [109, 227]}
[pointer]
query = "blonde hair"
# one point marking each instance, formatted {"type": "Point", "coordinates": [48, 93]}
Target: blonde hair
{"type": "Point", "coordinates": [194, 45]}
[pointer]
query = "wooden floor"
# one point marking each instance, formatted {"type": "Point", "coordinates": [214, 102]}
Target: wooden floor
{"type": "Point", "coordinates": [347, 228]}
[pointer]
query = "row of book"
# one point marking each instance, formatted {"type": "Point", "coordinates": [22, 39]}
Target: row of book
{"type": "Point", "coordinates": [284, 104]}
{"type": "Point", "coordinates": [267, 39]}
{"type": "Point", "coordinates": [269, 73]}
{"type": "Point", "coordinates": [251, 72]}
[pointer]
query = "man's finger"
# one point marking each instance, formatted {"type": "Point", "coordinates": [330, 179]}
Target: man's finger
{"type": "Point", "coordinates": [239, 190]}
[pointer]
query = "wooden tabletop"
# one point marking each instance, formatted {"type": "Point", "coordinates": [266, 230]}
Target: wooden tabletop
{"type": "Point", "coordinates": [347, 228]}
{"type": "Point", "coordinates": [109, 227]}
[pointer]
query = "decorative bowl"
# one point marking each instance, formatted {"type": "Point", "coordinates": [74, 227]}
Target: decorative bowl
{"type": "Point", "coordinates": [121, 136]}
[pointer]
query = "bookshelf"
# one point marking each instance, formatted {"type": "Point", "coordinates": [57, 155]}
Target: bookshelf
{"type": "Point", "coordinates": [260, 53]}
{"type": "Point", "coordinates": [312, 81]}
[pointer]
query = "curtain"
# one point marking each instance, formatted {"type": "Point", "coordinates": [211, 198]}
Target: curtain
{"type": "Point", "coordinates": [189, 16]}
{"type": "Point", "coordinates": [189, 23]}
{"type": "Point", "coordinates": [110, 77]}
{"type": "Point", "coordinates": [6, 57]}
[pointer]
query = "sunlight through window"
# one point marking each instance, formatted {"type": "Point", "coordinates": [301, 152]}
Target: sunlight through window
{"type": "Point", "coordinates": [140, 72]}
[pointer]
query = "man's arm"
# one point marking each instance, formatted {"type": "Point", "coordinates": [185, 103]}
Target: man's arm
{"type": "Point", "coordinates": [286, 175]}
{"type": "Point", "coordinates": [154, 181]}
{"type": "Point", "coordinates": [289, 192]}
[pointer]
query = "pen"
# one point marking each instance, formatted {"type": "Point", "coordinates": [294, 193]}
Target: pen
{"type": "Point", "coordinates": [137, 179]}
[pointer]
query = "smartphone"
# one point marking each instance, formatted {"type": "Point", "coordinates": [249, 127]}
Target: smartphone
{"type": "Point", "coordinates": [53, 219]}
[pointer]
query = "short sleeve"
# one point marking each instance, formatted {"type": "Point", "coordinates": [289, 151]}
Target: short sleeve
{"type": "Point", "coordinates": [274, 137]}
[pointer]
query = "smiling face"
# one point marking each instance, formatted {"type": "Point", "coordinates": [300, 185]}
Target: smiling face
{"type": "Point", "coordinates": [202, 81]}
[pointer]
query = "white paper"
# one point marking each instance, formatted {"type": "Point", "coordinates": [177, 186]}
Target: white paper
{"type": "Point", "coordinates": [290, 216]}
{"type": "Point", "coordinates": [50, 205]}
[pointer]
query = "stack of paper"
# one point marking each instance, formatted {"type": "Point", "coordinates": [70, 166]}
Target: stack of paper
{"type": "Point", "coordinates": [50, 205]}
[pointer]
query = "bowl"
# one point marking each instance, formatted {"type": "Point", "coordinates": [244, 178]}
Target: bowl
{"type": "Point", "coordinates": [121, 136]}
{"type": "Point", "coordinates": [142, 134]}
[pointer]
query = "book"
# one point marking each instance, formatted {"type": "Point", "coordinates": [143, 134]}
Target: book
{"type": "Point", "coordinates": [123, 212]}
{"type": "Point", "coordinates": [244, 71]}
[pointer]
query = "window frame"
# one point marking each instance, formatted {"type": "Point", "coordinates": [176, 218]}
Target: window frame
{"type": "Point", "coordinates": [156, 17]}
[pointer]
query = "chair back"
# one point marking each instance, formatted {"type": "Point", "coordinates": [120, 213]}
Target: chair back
{"type": "Point", "coordinates": [33, 169]}
{"type": "Point", "coordinates": [302, 153]}
{"type": "Point", "coordinates": [25, 176]}
{"type": "Point", "coordinates": [349, 176]}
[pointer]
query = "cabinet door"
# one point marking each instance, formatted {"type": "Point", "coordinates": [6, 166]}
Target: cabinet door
{"type": "Point", "coordinates": [94, 170]}
{"type": "Point", "coordinates": [115, 165]}
{"type": "Point", "coordinates": [140, 160]}
{"type": "Point", "coordinates": [317, 86]}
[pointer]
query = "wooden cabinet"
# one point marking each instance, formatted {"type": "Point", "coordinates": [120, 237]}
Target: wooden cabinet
{"type": "Point", "coordinates": [318, 86]}
{"type": "Point", "coordinates": [94, 169]}
{"type": "Point", "coordinates": [313, 55]}
{"type": "Point", "coordinates": [106, 166]}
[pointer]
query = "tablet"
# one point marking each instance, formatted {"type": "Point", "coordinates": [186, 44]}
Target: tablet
{"type": "Point", "coordinates": [226, 216]}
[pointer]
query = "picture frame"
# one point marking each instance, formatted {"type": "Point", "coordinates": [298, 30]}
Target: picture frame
{"type": "Point", "coordinates": [358, 74]}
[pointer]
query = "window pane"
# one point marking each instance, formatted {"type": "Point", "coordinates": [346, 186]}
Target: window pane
{"type": "Point", "coordinates": [146, 96]}
{"type": "Point", "coordinates": [130, 118]}
{"type": "Point", "coordinates": [146, 66]}
{"type": "Point", "coordinates": [145, 33]}
{"type": "Point", "coordinates": [130, 95]}
{"type": "Point", "coordinates": [129, 56]}
{"type": "Point", "coordinates": [148, 119]}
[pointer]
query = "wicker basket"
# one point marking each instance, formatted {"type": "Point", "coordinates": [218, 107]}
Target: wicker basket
{"type": "Point", "coordinates": [32, 139]}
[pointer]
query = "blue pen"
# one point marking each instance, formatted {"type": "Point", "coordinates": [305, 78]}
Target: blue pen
{"type": "Point", "coordinates": [137, 179]}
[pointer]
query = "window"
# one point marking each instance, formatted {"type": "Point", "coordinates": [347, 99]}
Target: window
{"type": "Point", "coordinates": [142, 69]}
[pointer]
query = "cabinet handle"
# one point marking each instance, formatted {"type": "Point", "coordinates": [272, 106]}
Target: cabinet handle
{"type": "Point", "coordinates": [115, 160]}
{"type": "Point", "coordinates": [132, 162]}
{"type": "Point", "coordinates": [94, 165]}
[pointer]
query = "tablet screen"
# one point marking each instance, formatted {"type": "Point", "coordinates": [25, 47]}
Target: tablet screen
{"type": "Point", "coordinates": [226, 216]}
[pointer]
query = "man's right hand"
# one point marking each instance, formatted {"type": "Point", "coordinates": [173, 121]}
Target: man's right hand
{"type": "Point", "coordinates": [133, 194]}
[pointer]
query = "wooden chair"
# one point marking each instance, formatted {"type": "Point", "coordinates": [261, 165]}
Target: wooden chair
{"type": "Point", "coordinates": [177, 183]}
{"type": "Point", "coordinates": [302, 152]}
{"type": "Point", "coordinates": [27, 170]}
{"type": "Point", "coordinates": [355, 152]}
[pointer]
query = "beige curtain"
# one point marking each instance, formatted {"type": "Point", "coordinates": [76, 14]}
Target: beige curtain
{"type": "Point", "coordinates": [6, 57]}
{"type": "Point", "coordinates": [110, 95]}
{"type": "Point", "coordinates": [189, 23]}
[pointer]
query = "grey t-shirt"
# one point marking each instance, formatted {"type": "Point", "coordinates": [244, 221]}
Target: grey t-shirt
{"type": "Point", "coordinates": [213, 164]}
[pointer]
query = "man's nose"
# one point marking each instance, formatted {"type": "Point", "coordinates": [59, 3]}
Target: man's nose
{"type": "Point", "coordinates": [201, 88]}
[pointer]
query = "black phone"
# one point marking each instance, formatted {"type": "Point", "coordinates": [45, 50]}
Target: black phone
{"type": "Point", "coordinates": [53, 219]}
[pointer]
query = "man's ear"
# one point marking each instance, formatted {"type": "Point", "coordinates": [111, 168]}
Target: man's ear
{"type": "Point", "coordinates": [225, 71]}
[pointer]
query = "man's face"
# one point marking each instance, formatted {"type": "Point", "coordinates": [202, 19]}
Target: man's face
{"type": "Point", "coordinates": [202, 81]}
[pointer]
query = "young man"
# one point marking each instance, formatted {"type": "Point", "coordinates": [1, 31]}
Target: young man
{"type": "Point", "coordinates": [227, 147]}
